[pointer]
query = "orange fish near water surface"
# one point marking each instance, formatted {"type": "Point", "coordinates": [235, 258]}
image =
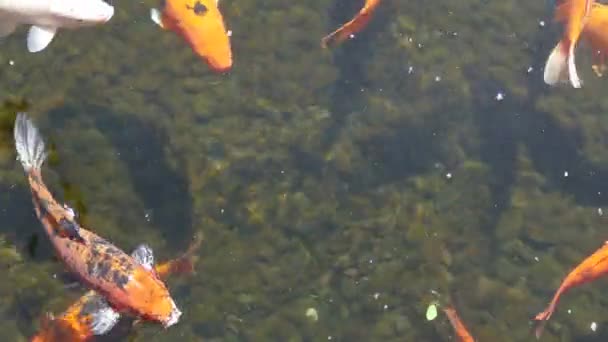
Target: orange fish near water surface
{"type": "Point", "coordinates": [461, 331]}
{"type": "Point", "coordinates": [592, 267]}
{"type": "Point", "coordinates": [561, 63]}
{"type": "Point", "coordinates": [74, 325]}
{"type": "Point", "coordinates": [125, 283]}
{"type": "Point", "coordinates": [595, 34]}
{"type": "Point", "coordinates": [358, 23]}
{"type": "Point", "coordinates": [201, 24]}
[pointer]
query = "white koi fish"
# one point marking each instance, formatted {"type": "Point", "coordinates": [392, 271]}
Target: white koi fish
{"type": "Point", "coordinates": [46, 16]}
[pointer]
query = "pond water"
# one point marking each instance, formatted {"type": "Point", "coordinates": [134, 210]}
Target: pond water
{"type": "Point", "coordinates": [424, 160]}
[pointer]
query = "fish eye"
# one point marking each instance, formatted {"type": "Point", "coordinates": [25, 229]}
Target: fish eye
{"type": "Point", "coordinates": [199, 8]}
{"type": "Point", "coordinates": [163, 3]}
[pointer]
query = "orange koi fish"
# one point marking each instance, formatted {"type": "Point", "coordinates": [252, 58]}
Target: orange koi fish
{"type": "Point", "coordinates": [459, 328]}
{"type": "Point", "coordinates": [125, 283]}
{"type": "Point", "coordinates": [591, 268]}
{"type": "Point", "coordinates": [560, 65]}
{"type": "Point", "coordinates": [358, 23]}
{"type": "Point", "coordinates": [76, 323]}
{"type": "Point", "coordinates": [201, 24]}
{"type": "Point", "coordinates": [596, 36]}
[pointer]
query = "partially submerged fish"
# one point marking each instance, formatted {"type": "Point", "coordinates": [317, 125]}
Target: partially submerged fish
{"type": "Point", "coordinates": [358, 23]}
{"type": "Point", "coordinates": [46, 16]}
{"type": "Point", "coordinates": [124, 283]}
{"type": "Point", "coordinates": [83, 320]}
{"type": "Point", "coordinates": [594, 266]}
{"type": "Point", "coordinates": [459, 328]}
{"type": "Point", "coordinates": [201, 24]}
{"type": "Point", "coordinates": [595, 34]}
{"type": "Point", "coordinates": [561, 65]}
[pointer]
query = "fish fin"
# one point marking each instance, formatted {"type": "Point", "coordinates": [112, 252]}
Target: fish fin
{"type": "Point", "coordinates": [39, 37]}
{"type": "Point", "coordinates": [29, 143]}
{"type": "Point", "coordinates": [156, 17]}
{"type": "Point", "coordinates": [144, 255]}
{"type": "Point", "coordinates": [7, 27]}
{"type": "Point", "coordinates": [103, 316]}
{"type": "Point", "coordinates": [556, 65]}
{"type": "Point", "coordinates": [574, 79]}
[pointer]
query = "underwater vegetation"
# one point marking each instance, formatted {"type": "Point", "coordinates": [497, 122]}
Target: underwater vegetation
{"type": "Point", "coordinates": [422, 160]}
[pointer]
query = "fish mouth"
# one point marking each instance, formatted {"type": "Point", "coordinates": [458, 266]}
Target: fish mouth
{"type": "Point", "coordinates": [173, 317]}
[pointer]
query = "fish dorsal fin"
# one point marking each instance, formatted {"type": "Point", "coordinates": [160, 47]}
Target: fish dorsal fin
{"type": "Point", "coordinates": [156, 17]}
{"type": "Point", "coordinates": [143, 254]}
{"type": "Point", "coordinates": [103, 317]}
{"type": "Point", "coordinates": [39, 37]}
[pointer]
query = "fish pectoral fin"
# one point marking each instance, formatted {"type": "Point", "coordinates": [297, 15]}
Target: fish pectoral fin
{"type": "Point", "coordinates": [7, 27]}
{"type": "Point", "coordinates": [144, 255]}
{"type": "Point", "coordinates": [103, 317]}
{"type": "Point", "coordinates": [156, 17]}
{"type": "Point", "coordinates": [39, 37]}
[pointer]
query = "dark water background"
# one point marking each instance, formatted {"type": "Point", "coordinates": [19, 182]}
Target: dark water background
{"type": "Point", "coordinates": [364, 181]}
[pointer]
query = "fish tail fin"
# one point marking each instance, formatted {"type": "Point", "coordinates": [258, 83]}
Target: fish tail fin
{"type": "Point", "coordinates": [183, 264]}
{"type": "Point", "coordinates": [574, 79]}
{"type": "Point", "coordinates": [556, 66]}
{"type": "Point", "coordinates": [29, 143]}
{"type": "Point", "coordinates": [544, 316]}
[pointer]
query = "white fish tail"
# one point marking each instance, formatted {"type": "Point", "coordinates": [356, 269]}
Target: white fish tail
{"type": "Point", "coordinates": [556, 65]}
{"type": "Point", "coordinates": [574, 80]}
{"type": "Point", "coordinates": [29, 144]}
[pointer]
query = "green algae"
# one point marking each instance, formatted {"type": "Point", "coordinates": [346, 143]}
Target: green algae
{"type": "Point", "coordinates": [336, 179]}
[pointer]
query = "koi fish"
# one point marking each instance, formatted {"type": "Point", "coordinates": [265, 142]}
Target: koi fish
{"type": "Point", "coordinates": [461, 331]}
{"type": "Point", "coordinates": [595, 35]}
{"type": "Point", "coordinates": [561, 65]}
{"type": "Point", "coordinates": [201, 24]}
{"type": "Point", "coordinates": [46, 16]}
{"type": "Point", "coordinates": [76, 323]}
{"type": "Point", "coordinates": [358, 23]}
{"type": "Point", "coordinates": [592, 267]}
{"type": "Point", "coordinates": [125, 283]}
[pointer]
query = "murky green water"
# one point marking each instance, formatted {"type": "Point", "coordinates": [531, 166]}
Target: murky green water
{"type": "Point", "coordinates": [363, 182]}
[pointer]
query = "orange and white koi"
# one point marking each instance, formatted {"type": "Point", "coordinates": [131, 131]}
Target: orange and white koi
{"type": "Point", "coordinates": [76, 323]}
{"type": "Point", "coordinates": [125, 283]}
{"type": "Point", "coordinates": [594, 266]}
{"type": "Point", "coordinates": [356, 24]}
{"type": "Point", "coordinates": [561, 65]}
{"type": "Point", "coordinates": [201, 24]}
{"type": "Point", "coordinates": [461, 331]}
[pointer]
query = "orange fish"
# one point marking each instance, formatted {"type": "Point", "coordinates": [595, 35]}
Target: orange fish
{"type": "Point", "coordinates": [201, 24]}
{"type": "Point", "coordinates": [561, 64]}
{"type": "Point", "coordinates": [591, 268]}
{"type": "Point", "coordinates": [75, 324]}
{"type": "Point", "coordinates": [125, 283]}
{"type": "Point", "coordinates": [358, 23]}
{"type": "Point", "coordinates": [459, 328]}
{"type": "Point", "coordinates": [596, 36]}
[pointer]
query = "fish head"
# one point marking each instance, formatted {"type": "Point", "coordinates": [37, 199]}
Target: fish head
{"type": "Point", "coordinates": [75, 13]}
{"type": "Point", "coordinates": [201, 23]}
{"type": "Point", "coordinates": [150, 299]}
